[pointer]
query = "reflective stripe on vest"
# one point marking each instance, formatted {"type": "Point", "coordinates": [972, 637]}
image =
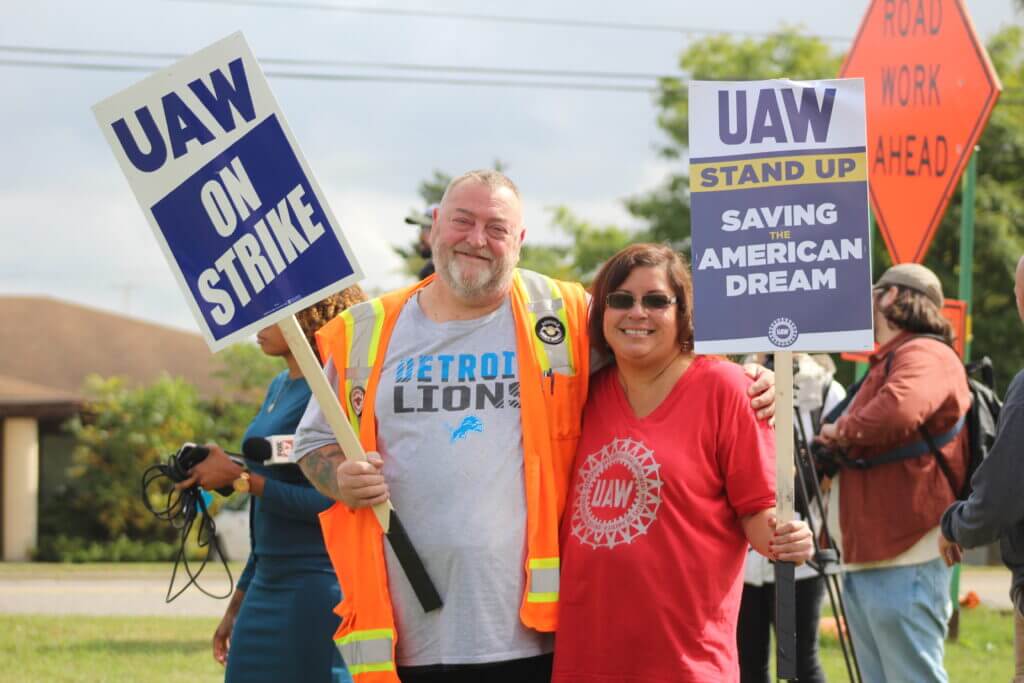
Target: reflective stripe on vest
{"type": "Point", "coordinates": [362, 333]}
{"type": "Point", "coordinates": [543, 580]}
{"type": "Point", "coordinates": [544, 301]}
{"type": "Point", "coordinates": [367, 651]}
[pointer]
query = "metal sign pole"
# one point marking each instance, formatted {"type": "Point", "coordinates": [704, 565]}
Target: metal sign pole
{"type": "Point", "coordinates": [967, 246]}
{"type": "Point", "coordinates": [965, 291]}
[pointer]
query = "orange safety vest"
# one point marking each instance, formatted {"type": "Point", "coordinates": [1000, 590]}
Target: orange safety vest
{"type": "Point", "coordinates": [552, 348]}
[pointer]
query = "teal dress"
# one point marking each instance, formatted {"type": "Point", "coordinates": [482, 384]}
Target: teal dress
{"type": "Point", "coordinates": [285, 627]}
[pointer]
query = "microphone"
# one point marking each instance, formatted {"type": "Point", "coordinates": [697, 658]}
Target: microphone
{"type": "Point", "coordinates": [271, 450]}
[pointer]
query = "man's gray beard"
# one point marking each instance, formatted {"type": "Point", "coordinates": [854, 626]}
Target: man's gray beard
{"type": "Point", "coordinates": [488, 284]}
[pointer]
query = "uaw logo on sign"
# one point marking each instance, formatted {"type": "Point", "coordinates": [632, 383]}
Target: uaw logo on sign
{"type": "Point", "coordinates": [618, 494]}
{"type": "Point", "coordinates": [782, 332]}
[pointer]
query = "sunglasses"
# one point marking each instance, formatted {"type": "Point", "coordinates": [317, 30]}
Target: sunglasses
{"type": "Point", "coordinates": [623, 301]}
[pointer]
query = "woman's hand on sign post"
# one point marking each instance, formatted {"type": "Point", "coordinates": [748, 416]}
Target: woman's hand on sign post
{"type": "Point", "coordinates": [762, 391]}
{"type": "Point", "coordinates": [789, 542]}
{"type": "Point", "coordinates": [792, 542]}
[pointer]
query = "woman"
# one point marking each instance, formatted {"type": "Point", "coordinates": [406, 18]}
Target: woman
{"type": "Point", "coordinates": [279, 623]}
{"type": "Point", "coordinates": [674, 477]}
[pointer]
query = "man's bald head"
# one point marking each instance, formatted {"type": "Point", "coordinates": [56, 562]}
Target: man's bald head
{"type": "Point", "coordinates": [488, 177]}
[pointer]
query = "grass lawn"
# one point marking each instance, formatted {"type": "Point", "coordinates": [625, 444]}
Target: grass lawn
{"type": "Point", "coordinates": [983, 653]}
{"type": "Point", "coordinates": [138, 649]}
{"type": "Point", "coordinates": [156, 649]}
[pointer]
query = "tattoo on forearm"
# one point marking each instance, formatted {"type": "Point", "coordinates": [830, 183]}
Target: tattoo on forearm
{"type": "Point", "coordinates": [321, 466]}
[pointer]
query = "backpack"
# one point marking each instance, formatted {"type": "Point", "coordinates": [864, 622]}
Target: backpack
{"type": "Point", "coordinates": [981, 420]}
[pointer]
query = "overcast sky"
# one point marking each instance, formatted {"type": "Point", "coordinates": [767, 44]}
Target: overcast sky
{"type": "Point", "coordinates": [70, 227]}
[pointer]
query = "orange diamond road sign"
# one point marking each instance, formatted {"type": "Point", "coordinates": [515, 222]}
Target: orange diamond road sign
{"type": "Point", "coordinates": [930, 89]}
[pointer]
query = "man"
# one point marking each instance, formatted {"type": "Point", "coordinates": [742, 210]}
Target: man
{"type": "Point", "coordinates": [995, 508]}
{"type": "Point", "coordinates": [896, 584]}
{"type": "Point", "coordinates": [423, 221]}
{"type": "Point", "coordinates": [471, 385]}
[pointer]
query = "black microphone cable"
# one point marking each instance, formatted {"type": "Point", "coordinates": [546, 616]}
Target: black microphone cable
{"type": "Point", "coordinates": [181, 510]}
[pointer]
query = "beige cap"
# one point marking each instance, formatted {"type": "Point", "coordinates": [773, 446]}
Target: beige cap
{"type": "Point", "coordinates": [916, 277]}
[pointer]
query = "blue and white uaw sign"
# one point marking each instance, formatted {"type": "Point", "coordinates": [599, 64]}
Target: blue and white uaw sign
{"type": "Point", "coordinates": [779, 206]}
{"type": "Point", "coordinates": [227, 192]}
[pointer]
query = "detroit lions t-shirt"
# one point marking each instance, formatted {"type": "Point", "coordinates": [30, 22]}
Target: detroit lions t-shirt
{"type": "Point", "coordinates": [450, 436]}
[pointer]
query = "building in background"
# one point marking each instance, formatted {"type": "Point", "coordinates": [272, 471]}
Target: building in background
{"type": "Point", "coordinates": [47, 349]}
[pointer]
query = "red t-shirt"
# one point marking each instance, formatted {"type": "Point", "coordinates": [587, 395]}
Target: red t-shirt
{"type": "Point", "coordinates": [652, 548]}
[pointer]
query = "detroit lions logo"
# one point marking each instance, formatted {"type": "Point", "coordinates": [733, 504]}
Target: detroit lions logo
{"type": "Point", "coordinates": [468, 424]}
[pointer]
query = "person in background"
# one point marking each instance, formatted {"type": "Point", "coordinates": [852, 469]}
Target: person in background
{"type": "Point", "coordinates": [278, 624]}
{"type": "Point", "coordinates": [673, 478]}
{"type": "Point", "coordinates": [423, 221]}
{"type": "Point", "coordinates": [896, 584]}
{"type": "Point", "coordinates": [816, 393]}
{"type": "Point", "coordinates": [995, 508]}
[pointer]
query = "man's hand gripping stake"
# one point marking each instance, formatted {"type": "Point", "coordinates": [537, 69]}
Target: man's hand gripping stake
{"type": "Point", "coordinates": [407, 556]}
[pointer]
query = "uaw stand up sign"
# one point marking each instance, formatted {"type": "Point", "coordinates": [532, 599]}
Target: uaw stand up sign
{"type": "Point", "coordinates": [781, 244]}
{"type": "Point", "coordinates": [240, 218]}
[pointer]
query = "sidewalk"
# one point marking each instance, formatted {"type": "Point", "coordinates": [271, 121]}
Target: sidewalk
{"type": "Point", "coordinates": [992, 584]}
{"type": "Point", "coordinates": [64, 590]}
{"type": "Point", "coordinates": [37, 589]}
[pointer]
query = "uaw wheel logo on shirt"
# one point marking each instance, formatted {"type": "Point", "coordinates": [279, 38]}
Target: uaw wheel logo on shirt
{"type": "Point", "coordinates": [782, 332]}
{"type": "Point", "coordinates": [618, 494]}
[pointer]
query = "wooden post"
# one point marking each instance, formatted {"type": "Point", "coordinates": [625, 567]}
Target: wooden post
{"type": "Point", "coordinates": [325, 396]}
{"type": "Point", "coordinates": [785, 581]}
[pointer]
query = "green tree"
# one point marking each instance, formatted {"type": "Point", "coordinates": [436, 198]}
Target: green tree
{"type": "Point", "coordinates": [124, 430]}
{"type": "Point", "coordinates": [589, 246]}
{"type": "Point", "coordinates": [246, 373]}
{"type": "Point", "coordinates": [430, 191]}
{"type": "Point", "coordinates": [998, 218]}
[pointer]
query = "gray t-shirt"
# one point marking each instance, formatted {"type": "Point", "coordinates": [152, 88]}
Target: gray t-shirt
{"type": "Point", "coordinates": [450, 435]}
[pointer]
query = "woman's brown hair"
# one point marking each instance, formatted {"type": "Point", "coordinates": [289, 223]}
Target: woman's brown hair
{"type": "Point", "coordinates": [324, 311]}
{"type": "Point", "coordinates": [615, 271]}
